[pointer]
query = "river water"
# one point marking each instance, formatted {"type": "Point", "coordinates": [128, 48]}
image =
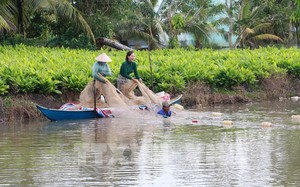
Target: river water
{"type": "Point", "coordinates": [192, 148]}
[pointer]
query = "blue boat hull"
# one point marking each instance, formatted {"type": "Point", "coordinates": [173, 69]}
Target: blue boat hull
{"type": "Point", "coordinates": [57, 115]}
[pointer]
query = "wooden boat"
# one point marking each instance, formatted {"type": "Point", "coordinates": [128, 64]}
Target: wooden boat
{"type": "Point", "coordinates": [57, 115]}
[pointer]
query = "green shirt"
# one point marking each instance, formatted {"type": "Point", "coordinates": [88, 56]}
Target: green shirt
{"type": "Point", "coordinates": [103, 69]}
{"type": "Point", "coordinates": [127, 68]}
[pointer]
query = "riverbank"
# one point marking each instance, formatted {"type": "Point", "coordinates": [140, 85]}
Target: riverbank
{"type": "Point", "coordinates": [196, 96]}
{"type": "Point", "coordinates": [201, 95]}
{"type": "Point", "coordinates": [22, 107]}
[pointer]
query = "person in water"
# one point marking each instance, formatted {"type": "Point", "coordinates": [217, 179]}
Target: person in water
{"type": "Point", "coordinates": [165, 111]}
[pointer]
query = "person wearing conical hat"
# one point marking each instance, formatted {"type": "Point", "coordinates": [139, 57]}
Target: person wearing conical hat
{"type": "Point", "coordinates": [104, 87]}
{"type": "Point", "coordinates": [99, 71]}
{"type": "Point", "coordinates": [101, 68]}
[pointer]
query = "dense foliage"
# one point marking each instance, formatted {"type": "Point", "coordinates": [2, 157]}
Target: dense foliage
{"type": "Point", "coordinates": [76, 24]}
{"type": "Point", "coordinates": [53, 71]}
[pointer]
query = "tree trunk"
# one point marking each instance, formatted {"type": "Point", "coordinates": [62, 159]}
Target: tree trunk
{"type": "Point", "coordinates": [88, 8]}
{"type": "Point", "coordinates": [230, 16]}
{"type": "Point", "coordinates": [297, 35]}
{"type": "Point", "coordinates": [20, 17]}
{"type": "Point", "coordinates": [105, 41]}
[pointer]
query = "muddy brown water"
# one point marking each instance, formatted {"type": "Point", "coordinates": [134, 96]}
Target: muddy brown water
{"type": "Point", "coordinates": [193, 148]}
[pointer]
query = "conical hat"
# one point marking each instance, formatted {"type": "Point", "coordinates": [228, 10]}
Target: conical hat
{"type": "Point", "coordinates": [103, 58]}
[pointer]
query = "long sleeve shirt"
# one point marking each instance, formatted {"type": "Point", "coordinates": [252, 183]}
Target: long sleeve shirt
{"type": "Point", "coordinates": [127, 68]}
{"type": "Point", "coordinates": [101, 68]}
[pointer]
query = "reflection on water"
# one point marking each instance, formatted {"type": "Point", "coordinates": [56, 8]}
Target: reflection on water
{"type": "Point", "coordinates": [193, 148]}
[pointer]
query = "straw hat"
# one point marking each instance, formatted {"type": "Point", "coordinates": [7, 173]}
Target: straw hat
{"type": "Point", "coordinates": [165, 104]}
{"type": "Point", "coordinates": [103, 58]}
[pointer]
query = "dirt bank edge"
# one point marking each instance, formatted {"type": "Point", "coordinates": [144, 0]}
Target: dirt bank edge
{"type": "Point", "coordinates": [196, 95]}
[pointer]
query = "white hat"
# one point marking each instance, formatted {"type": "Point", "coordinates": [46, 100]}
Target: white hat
{"type": "Point", "coordinates": [103, 58]}
{"type": "Point", "coordinates": [165, 104]}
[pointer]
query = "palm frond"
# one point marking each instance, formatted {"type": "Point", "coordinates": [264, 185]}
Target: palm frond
{"type": "Point", "coordinates": [222, 21]}
{"type": "Point", "coordinates": [249, 10]}
{"type": "Point", "coordinates": [261, 26]}
{"type": "Point", "coordinates": [7, 11]}
{"type": "Point", "coordinates": [245, 33]}
{"type": "Point", "coordinates": [160, 30]}
{"type": "Point", "coordinates": [65, 9]}
{"type": "Point", "coordinates": [200, 30]}
{"type": "Point", "coordinates": [248, 31]}
{"type": "Point", "coordinates": [149, 3]}
{"type": "Point", "coordinates": [266, 37]}
{"type": "Point", "coordinates": [246, 9]}
{"type": "Point", "coordinates": [36, 5]}
{"type": "Point", "coordinates": [4, 24]}
{"type": "Point", "coordinates": [217, 9]}
{"type": "Point", "coordinates": [138, 34]}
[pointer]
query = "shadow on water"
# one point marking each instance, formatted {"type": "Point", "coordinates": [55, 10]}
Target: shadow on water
{"type": "Point", "coordinates": [220, 146]}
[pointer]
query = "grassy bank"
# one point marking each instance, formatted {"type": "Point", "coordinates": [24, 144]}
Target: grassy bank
{"type": "Point", "coordinates": [196, 95]}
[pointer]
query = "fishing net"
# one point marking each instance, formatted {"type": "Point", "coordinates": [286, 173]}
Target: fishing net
{"type": "Point", "coordinates": [128, 90]}
{"type": "Point", "coordinates": [86, 97]}
{"type": "Point", "coordinates": [116, 98]}
{"type": "Point", "coordinates": [147, 96]}
{"type": "Point", "coordinates": [111, 97]}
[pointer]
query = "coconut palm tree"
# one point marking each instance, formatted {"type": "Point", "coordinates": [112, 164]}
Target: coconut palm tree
{"type": "Point", "coordinates": [248, 30]}
{"type": "Point", "coordinates": [295, 19]}
{"type": "Point", "coordinates": [200, 21]}
{"type": "Point", "coordinates": [18, 13]}
{"type": "Point", "coordinates": [252, 36]}
{"type": "Point", "coordinates": [193, 17]}
{"type": "Point", "coordinates": [244, 23]}
{"type": "Point", "coordinates": [143, 22]}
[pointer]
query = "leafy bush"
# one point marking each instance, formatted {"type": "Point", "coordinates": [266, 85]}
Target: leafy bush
{"type": "Point", "coordinates": [3, 87]}
{"type": "Point", "coordinates": [55, 70]}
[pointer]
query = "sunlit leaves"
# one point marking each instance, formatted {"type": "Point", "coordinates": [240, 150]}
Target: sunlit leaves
{"type": "Point", "coordinates": [3, 87]}
{"type": "Point", "coordinates": [17, 14]}
{"type": "Point", "coordinates": [53, 71]}
{"type": "Point", "coordinates": [177, 21]}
